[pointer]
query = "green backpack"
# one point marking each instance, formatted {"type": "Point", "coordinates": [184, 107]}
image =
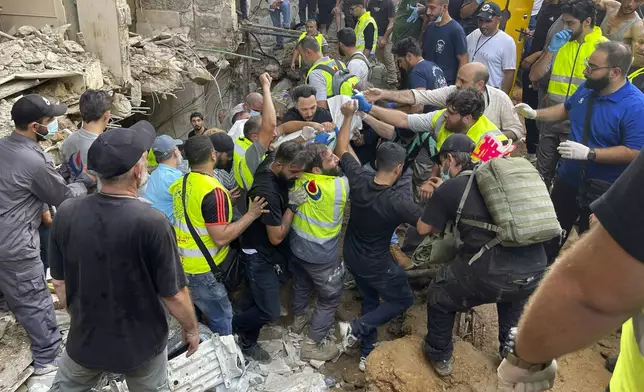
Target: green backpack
{"type": "Point", "coordinates": [518, 201]}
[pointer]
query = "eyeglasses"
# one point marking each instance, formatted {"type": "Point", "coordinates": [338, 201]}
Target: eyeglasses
{"type": "Point", "coordinates": [593, 67]}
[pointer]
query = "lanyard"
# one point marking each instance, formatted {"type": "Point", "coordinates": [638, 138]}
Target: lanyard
{"type": "Point", "coordinates": [486, 41]}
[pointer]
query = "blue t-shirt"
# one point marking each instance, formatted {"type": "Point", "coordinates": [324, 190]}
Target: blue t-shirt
{"type": "Point", "coordinates": [427, 75]}
{"type": "Point", "coordinates": [617, 120]}
{"type": "Point", "coordinates": [443, 45]}
{"type": "Point", "coordinates": [157, 189]}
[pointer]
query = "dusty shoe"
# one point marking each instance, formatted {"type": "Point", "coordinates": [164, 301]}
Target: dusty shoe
{"type": "Point", "coordinates": [45, 369]}
{"type": "Point", "coordinates": [362, 366]}
{"type": "Point", "coordinates": [348, 338]}
{"type": "Point", "coordinates": [257, 353]}
{"type": "Point", "coordinates": [322, 351]}
{"type": "Point", "coordinates": [299, 323]}
{"type": "Point", "coordinates": [443, 368]}
{"type": "Point", "coordinates": [401, 258]}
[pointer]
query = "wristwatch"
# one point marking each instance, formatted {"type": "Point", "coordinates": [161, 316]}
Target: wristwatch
{"type": "Point", "coordinates": [509, 354]}
{"type": "Point", "coordinates": [592, 154]}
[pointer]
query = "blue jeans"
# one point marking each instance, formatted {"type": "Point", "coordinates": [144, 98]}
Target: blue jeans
{"type": "Point", "coordinates": [211, 298]}
{"type": "Point", "coordinates": [262, 299]}
{"type": "Point", "coordinates": [281, 17]}
{"type": "Point", "coordinates": [393, 287]}
{"type": "Point", "coordinates": [528, 41]}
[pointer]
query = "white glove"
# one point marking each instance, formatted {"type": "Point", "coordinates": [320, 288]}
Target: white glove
{"type": "Point", "coordinates": [514, 379]}
{"type": "Point", "coordinates": [523, 109]}
{"type": "Point", "coordinates": [297, 197]}
{"type": "Point", "coordinates": [573, 150]}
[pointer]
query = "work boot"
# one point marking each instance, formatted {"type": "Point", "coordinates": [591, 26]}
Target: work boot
{"type": "Point", "coordinates": [400, 257]}
{"type": "Point", "coordinates": [346, 334]}
{"type": "Point", "coordinates": [257, 353]}
{"type": "Point", "coordinates": [362, 366]}
{"type": "Point", "coordinates": [322, 351]}
{"type": "Point", "coordinates": [443, 368]}
{"type": "Point", "coordinates": [299, 323]}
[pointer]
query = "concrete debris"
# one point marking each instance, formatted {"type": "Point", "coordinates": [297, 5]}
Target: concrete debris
{"type": "Point", "coordinates": [316, 364]}
{"type": "Point", "coordinates": [121, 106]}
{"type": "Point", "coordinates": [277, 366]}
{"type": "Point", "coordinates": [302, 382]}
{"type": "Point", "coordinates": [200, 75]}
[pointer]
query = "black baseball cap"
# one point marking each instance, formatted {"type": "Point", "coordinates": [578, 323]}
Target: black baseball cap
{"type": "Point", "coordinates": [489, 11]}
{"type": "Point", "coordinates": [116, 151]}
{"type": "Point", "coordinates": [33, 107]}
{"type": "Point", "coordinates": [456, 142]}
{"type": "Point", "coordinates": [222, 142]}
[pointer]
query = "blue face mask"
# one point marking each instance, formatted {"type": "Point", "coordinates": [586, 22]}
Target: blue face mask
{"type": "Point", "coordinates": [445, 175]}
{"type": "Point", "coordinates": [254, 113]}
{"type": "Point", "coordinates": [52, 128]}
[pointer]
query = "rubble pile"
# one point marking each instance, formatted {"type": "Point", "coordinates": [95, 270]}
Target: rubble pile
{"type": "Point", "coordinates": [158, 63]}
{"type": "Point", "coordinates": [35, 50]}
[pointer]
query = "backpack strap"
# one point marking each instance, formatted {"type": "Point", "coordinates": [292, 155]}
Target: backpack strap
{"type": "Point", "coordinates": [326, 68]}
{"type": "Point", "coordinates": [360, 56]}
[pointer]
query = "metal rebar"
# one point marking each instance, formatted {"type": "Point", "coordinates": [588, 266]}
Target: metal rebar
{"type": "Point", "coordinates": [230, 53]}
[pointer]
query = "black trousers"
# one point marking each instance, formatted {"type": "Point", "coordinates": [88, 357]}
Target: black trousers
{"type": "Point", "coordinates": [564, 198]}
{"type": "Point", "coordinates": [457, 288]}
{"type": "Point", "coordinates": [531, 97]}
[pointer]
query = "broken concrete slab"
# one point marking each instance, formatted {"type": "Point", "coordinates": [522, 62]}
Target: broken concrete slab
{"type": "Point", "coordinates": [301, 382]}
{"type": "Point", "coordinates": [200, 75]}
{"type": "Point", "coordinates": [277, 366]}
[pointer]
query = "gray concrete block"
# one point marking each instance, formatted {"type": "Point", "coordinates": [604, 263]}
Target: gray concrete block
{"type": "Point", "coordinates": [168, 5]}
{"type": "Point", "coordinates": [169, 19]}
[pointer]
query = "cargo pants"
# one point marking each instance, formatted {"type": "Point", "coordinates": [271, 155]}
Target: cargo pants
{"type": "Point", "coordinates": [327, 281]}
{"type": "Point", "coordinates": [28, 298]}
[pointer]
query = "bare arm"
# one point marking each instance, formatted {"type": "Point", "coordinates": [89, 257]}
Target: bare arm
{"type": "Point", "coordinates": [180, 307]}
{"type": "Point", "coordinates": [508, 80]}
{"type": "Point", "coordinates": [390, 28]}
{"type": "Point", "coordinates": [403, 96]}
{"type": "Point", "coordinates": [468, 9]}
{"type": "Point", "coordinates": [617, 155]}
{"type": "Point", "coordinates": [294, 126]}
{"type": "Point", "coordinates": [382, 129]}
{"type": "Point", "coordinates": [276, 234]}
{"type": "Point", "coordinates": [425, 229]}
{"type": "Point", "coordinates": [553, 113]}
{"type": "Point", "coordinates": [223, 235]}
{"type": "Point", "coordinates": [61, 292]}
{"type": "Point", "coordinates": [294, 56]}
{"type": "Point", "coordinates": [607, 5]}
{"type": "Point", "coordinates": [344, 136]}
{"type": "Point", "coordinates": [390, 116]}
{"type": "Point", "coordinates": [462, 60]}
{"type": "Point", "coordinates": [269, 118]}
{"type": "Point", "coordinates": [541, 66]}
{"type": "Point", "coordinates": [570, 310]}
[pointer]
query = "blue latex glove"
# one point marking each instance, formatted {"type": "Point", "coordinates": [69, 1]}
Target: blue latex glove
{"type": "Point", "coordinates": [414, 15]}
{"type": "Point", "coordinates": [336, 130]}
{"type": "Point", "coordinates": [479, 2]}
{"type": "Point", "coordinates": [363, 105]}
{"type": "Point", "coordinates": [391, 105]}
{"type": "Point", "coordinates": [559, 40]}
{"type": "Point", "coordinates": [322, 138]}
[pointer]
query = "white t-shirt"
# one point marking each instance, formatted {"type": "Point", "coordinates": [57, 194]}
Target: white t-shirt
{"type": "Point", "coordinates": [359, 68]}
{"type": "Point", "coordinates": [498, 53]}
{"type": "Point", "coordinates": [536, 7]}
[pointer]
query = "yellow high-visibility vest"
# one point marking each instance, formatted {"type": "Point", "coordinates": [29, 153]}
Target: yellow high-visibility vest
{"type": "Point", "coordinates": [568, 68]}
{"type": "Point", "coordinates": [629, 371]}
{"type": "Point", "coordinates": [476, 132]}
{"type": "Point", "coordinates": [242, 173]}
{"type": "Point", "coordinates": [319, 220]}
{"type": "Point", "coordinates": [365, 20]}
{"type": "Point", "coordinates": [340, 85]}
{"type": "Point", "coordinates": [198, 186]}
{"type": "Point", "coordinates": [152, 160]}
{"type": "Point", "coordinates": [317, 38]}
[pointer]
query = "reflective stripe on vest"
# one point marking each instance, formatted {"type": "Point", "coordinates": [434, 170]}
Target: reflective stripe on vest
{"type": "Point", "coordinates": [198, 186]}
{"type": "Point", "coordinates": [319, 220]}
{"type": "Point", "coordinates": [629, 371]}
{"type": "Point", "coordinates": [317, 38]}
{"type": "Point", "coordinates": [476, 132]}
{"type": "Point", "coordinates": [241, 172]}
{"type": "Point", "coordinates": [364, 21]}
{"type": "Point", "coordinates": [569, 65]}
{"type": "Point", "coordinates": [335, 65]}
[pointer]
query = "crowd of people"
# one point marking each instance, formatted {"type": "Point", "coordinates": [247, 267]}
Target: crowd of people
{"type": "Point", "coordinates": [240, 211]}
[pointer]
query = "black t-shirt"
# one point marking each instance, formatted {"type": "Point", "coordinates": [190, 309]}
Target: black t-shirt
{"type": "Point", "coordinates": [376, 211]}
{"type": "Point", "coordinates": [548, 14]}
{"type": "Point", "coordinates": [369, 37]}
{"type": "Point", "coordinates": [117, 256]}
{"type": "Point", "coordinates": [470, 23]}
{"type": "Point", "coordinates": [214, 208]}
{"type": "Point", "coordinates": [441, 209]}
{"type": "Point", "coordinates": [620, 209]}
{"type": "Point", "coordinates": [275, 191]}
{"type": "Point", "coordinates": [381, 11]}
{"type": "Point", "coordinates": [321, 116]}
{"type": "Point", "coordinates": [367, 152]}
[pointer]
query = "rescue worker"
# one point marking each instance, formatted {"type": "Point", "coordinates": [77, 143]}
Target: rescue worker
{"type": "Point", "coordinates": [506, 276]}
{"type": "Point", "coordinates": [366, 28]}
{"type": "Point", "coordinates": [251, 148]}
{"type": "Point", "coordinates": [28, 181]}
{"type": "Point", "coordinates": [315, 259]}
{"type": "Point", "coordinates": [498, 106]}
{"type": "Point", "coordinates": [209, 208]}
{"type": "Point", "coordinates": [357, 62]}
{"type": "Point", "coordinates": [592, 290]}
{"type": "Point", "coordinates": [322, 71]}
{"type": "Point", "coordinates": [378, 206]}
{"type": "Point", "coordinates": [311, 31]}
{"type": "Point", "coordinates": [606, 115]}
{"type": "Point", "coordinates": [570, 48]}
